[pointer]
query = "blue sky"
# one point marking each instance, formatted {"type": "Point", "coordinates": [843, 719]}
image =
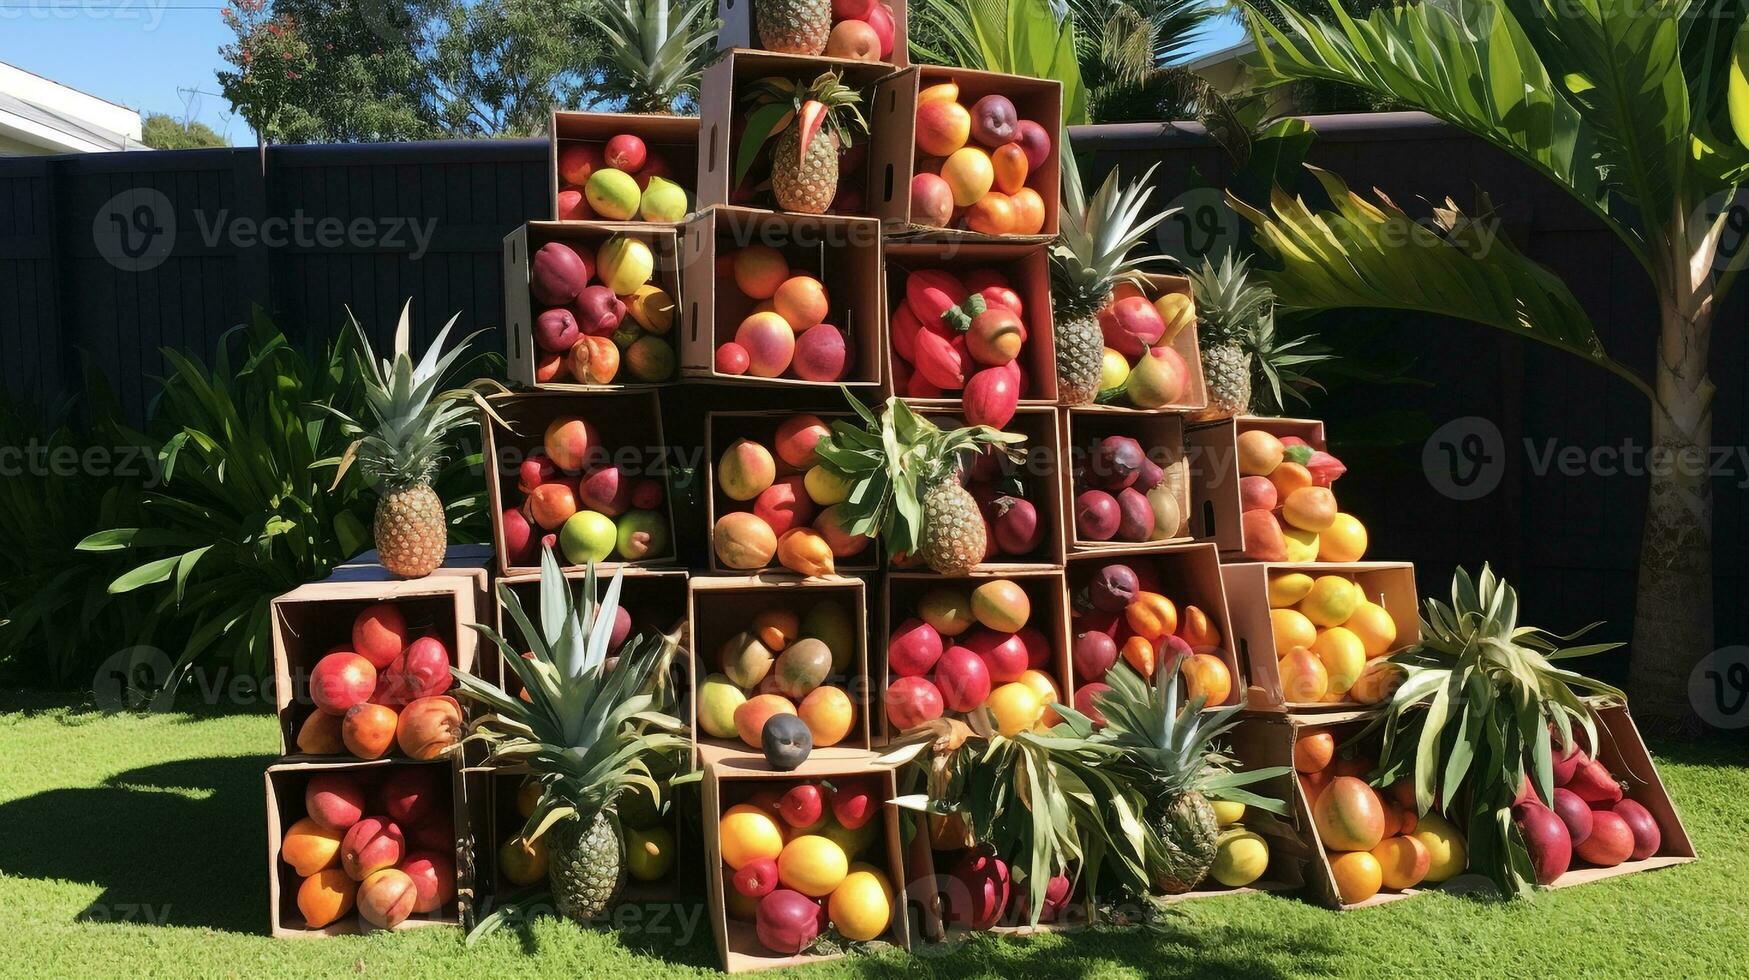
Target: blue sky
{"type": "Point", "coordinates": [148, 53]}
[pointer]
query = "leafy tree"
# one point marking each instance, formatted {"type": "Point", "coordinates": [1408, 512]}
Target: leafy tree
{"type": "Point", "coordinates": [1639, 112]}
{"type": "Point", "coordinates": [162, 131]}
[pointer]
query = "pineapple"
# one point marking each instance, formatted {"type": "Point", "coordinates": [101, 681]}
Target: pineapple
{"type": "Point", "coordinates": [1173, 757]}
{"type": "Point", "coordinates": [812, 124]}
{"type": "Point", "coordinates": [793, 26]}
{"type": "Point", "coordinates": [906, 474]}
{"type": "Point", "coordinates": [1229, 306]}
{"type": "Point", "coordinates": [1091, 256]}
{"type": "Point", "coordinates": [656, 50]}
{"type": "Point", "coordinates": [588, 731]}
{"type": "Point", "coordinates": [401, 447]}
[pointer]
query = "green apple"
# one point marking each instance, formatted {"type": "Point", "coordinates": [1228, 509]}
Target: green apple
{"type": "Point", "coordinates": [642, 534]}
{"type": "Point", "coordinates": [718, 697]}
{"type": "Point", "coordinates": [612, 193]}
{"type": "Point", "coordinates": [663, 200]}
{"type": "Point", "coordinates": [587, 537]}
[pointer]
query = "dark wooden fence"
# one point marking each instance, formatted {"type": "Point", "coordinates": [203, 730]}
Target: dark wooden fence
{"type": "Point", "coordinates": [1570, 539]}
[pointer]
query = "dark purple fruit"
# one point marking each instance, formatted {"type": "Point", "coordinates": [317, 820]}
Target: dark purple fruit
{"type": "Point", "coordinates": [1096, 515]}
{"type": "Point", "coordinates": [1113, 587]}
{"type": "Point", "coordinates": [787, 742]}
{"type": "Point", "coordinates": [1135, 516]}
{"type": "Point", "coordinates": [1115, 462]}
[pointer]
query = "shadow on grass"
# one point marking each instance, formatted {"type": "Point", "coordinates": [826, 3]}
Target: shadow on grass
{"type": "Point", "coordinates": [174, 844]}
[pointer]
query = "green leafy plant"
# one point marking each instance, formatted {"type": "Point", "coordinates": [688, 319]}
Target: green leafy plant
{"type": "Point", "coordinates": [1640, 114]}
{"type": "Point", "coordinates": [656, 50]}
{"type": "Point", "coordinates": [1473, 716]}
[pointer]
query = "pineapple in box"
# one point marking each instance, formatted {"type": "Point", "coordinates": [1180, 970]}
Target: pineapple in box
{"type": "Point", "coordinates": [1172, 755]}
{"type": "Point", "coordinates": [812, 123]}
{"type": "Point", "coordinates": [1090, 257]}
{"type": "Point", "coordinates": [905, 475]}
{"type": "Point", "coordinates": [588, 731]}
{"type": "Point", "coordinates": [793, 26]}
{"type": "Point", "coordinates": [401, 446]}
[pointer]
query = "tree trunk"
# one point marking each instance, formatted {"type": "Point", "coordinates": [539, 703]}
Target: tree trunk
{"type": "Point", "coordinates": [1673, 609]}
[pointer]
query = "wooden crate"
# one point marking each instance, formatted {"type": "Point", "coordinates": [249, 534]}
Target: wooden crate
{"type": "Point", "coordinates": [721, 429]}
{"type": "Point", "coordinates": [285, 784]}
{"type": "Point", "coordinates": [728, 781]}
{"type": "Point", "coordinates": [671, 139]}
{"type": "Point", "coordinates": [1218, 442]}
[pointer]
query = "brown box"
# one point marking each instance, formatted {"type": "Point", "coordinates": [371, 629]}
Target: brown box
{"type": "Point", "coordinates": [285, 783]}
{"type": "Point", "coordinates": [1162, 437]}
{"type": "Point", "coordinates": [721, 606]}
{"type": "Point", "coordinates": [1028, 269]}
{"type": "Point", "coordinates": [523, 359]}
{"type": "Point", "coordinates": [843, 253]}
{"type": "Point", "coordinates": [1039, 483]}
{"type": "Point", "coordinates": [654, 597]}
{"type": "Point", "coordinates": [738, 31]}
{"type": "Point", "coordinates": [1189, 575]}
{"type": "Point", "coordinates": [1195, 398]}
{"type": "Point", "coordinates": [1218, 446]}
{"type": "Point", "coordinates": [314, 618]}
{"type": "Point", "coordinates": [1390, 584]}
{"type": "Point", "coordinates": [901, 591]}
{"type": "Point", "coordinates": [728, 781]}
{"type": "Point", "coordinates": [671, 139]}
{"type": "Point", "coordinates": [721, 429]}
{"type": "Point", "coordinates": [893, 157]}
{"type": "Point", "coordinates": [630, 421]}
{"type": "Point", "coordinates": [723, 119]}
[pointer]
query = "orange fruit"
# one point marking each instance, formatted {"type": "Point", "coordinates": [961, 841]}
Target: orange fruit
{"type": "Point", "coordinates": [1403, 862]}
{"type": "Point", "coordinates": [1343, 540]}
{"type": "Point", "coordinates": [1313, 751]}
{"type": "Point", "coordinates": [1288, 477]}
{"type": "Point", "coordinates": [1358, 876]}
{"type": "Point", "coordinates": [1374, 627]}
{"type": "Point", "coordinates": [992, 214]}
{"type": "Point", "coordinates": [1207, 676]}
{"type": "Point", "coordinates": [1292, 629]}
{"type": "Point", "coordinates": [1029, 212]}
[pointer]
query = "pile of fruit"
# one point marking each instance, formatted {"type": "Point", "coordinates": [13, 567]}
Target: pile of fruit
{"type": "Point", "coordinates": [968, 648]}
{"type": "Point", "coordinates": [861, 30]}
{"type": "Point", "coordinates": [1123, 494]}
{"type": "Point", "coordinates": [974, 165]}
{"type": "Point", "coordinates": [1590, 818]}
{"type": "Point", "coordinates": [786, 334]}
{"type": "Point", "coordinates": [577, 499]}
{"type": "Point", "coordinates": [599, 312]}
{"type": "Point", "coordinates": [649, 845]}
{"type": "Point", "coordinates": [961, 336]}
{"type": "Point", "coordinates": [780, 665]}
{"type": "Point", "coordinates": [1122, 611]}
{"type": "Point", "coordinates": [618, 180]}
{"type": "Point", "coordinates": [1330, 640]}
{"type": "Point", "coordinates": [1138, 365]}
{"type": "Point", "coordinates": [1241, 854]}
{"type": "Point", "coordinates": [1012, 527]}
{"type": "Point", "coordinates": [386, 689]}
{"type": "Point", "coordinates": [1373, 840]}
{"type": "Point", "coordinates": [800, 862]}
{"type": "Point", "coordinates": [982, 894]}
{"type": "Point", "coordinates": [1290, 512]}
{"type": "Point", "coordinates": [797, 512]}
{"type": "Point", "coordinates": [384, 844]}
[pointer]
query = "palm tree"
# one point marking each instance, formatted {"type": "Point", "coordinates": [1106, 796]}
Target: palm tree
{"type": "Point", "coordinates": [1622, 105]}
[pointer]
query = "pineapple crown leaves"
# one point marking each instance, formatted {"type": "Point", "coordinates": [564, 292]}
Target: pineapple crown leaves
{"type": "Point", "coordinates": [892, 460]}
{"type": "Point", "coordinates": [1175, 745]}
{"type": "Point", "coordinates": [401, 442]}
{"type": "Point", "coordinates": [660, 47]}
{"type": "Point", "coordinates": [825, 103]}
{"type": "Point", "coordinates": [1233, 308]}
{"type": "Point", "coordinates": [587, 731]}
{"type": "Point", "coordinates": [1050, 802]}
{"type": "Point", "coordinates": [1092, 252]}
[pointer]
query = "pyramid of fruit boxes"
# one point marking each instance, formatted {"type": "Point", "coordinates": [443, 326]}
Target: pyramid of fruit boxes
{"type": "Point", "coordinates": [667, 305]}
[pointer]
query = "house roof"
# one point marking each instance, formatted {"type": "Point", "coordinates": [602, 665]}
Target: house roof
{"type": "Point", "coordinates": [1223, 55]}
{"type": "Point", "coordinates": [60, 119]}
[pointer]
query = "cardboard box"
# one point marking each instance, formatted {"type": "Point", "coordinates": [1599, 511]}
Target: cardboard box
{"type": "Point", "coordinates": [723, 117]}
{"type": "Point", "coordinates": [1194, 401]}
{"type": "Point", "coordinates": [729, 781]}
{"type": "Point", "coordinates": [1162, 438]}
{"type": "Point", "coordinates": [843, 253]}
{"type": "Point", "coordinates": [893, 158]}
{"type": "Point", "coordinates": [722, 429]}
{"type": "Point", "coordinates": [630, 422]}
{"type": "Point", "coordinates": [1189, 575]}
{"type": "Point", "coordinates": [1217, 443]}
{"type": "Point", "coordinates": [654, 597]}
{"type": "Point", "coordinates": [1390, 584]}
{"type": "Point", "coordinates": [1038, 480]}
{"type": "Point", "coordinates": [672, 140]}
{"type": "Point", "coordinates": [523, 358]}
{"type": "Point", "coordinates": [901, 591]}
{"type": "Point", "coordinates": [1028, 269]}
{"type": "Point", "coordinates": [720, 607]}
{"type": "Point", "coordinates": [285, 784]}
{"type": "Point", "coordinates": [314, 618]}
{"type": "Point", "coordinates": [738, 30]}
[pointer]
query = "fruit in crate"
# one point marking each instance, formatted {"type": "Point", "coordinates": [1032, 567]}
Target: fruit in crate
{"type": "Point", "coordinates": [1115, 614]}
{"type": "Point", "coordinates": [1330, 638]}
{"type": "Point", "coordinates": [369, 704]}
{"type": "Point", "coordinates": [786, 334]}
{"type": "Point", "coordinates": [793, 517]}
{"type": "Point", "coordinates": [839, 29]}
{"type": "Point", "coordinates": [789, 668]}
{"type": "Point", "coordinates": [1123, 493]}
{"type": "Point", "coordinates": [1298, 502]}
{"type": "Point", "coordinates": [996, 657]}
{"type": "Point", "coordinates": [813, 123]}
{"type": "Point", "coordinates": [593, 508]}
{"type": "Point", "coordinates": [993, 179]}
{"type": "Point", "coordinates": [619, 179]}
{"type": "Point", "coordinates": [951, 337]}
{"type": "Point", "coordinates": [598, 311]}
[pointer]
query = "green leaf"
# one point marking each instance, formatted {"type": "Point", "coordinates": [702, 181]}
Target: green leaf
{"type": "Point", "coordinates": [151, 573]}
{"type": "Point", "coordinates": [759, 129]}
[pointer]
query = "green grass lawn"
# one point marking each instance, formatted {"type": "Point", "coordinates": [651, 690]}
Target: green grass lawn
{"type": "Point", "coordinates": [134, 845]}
